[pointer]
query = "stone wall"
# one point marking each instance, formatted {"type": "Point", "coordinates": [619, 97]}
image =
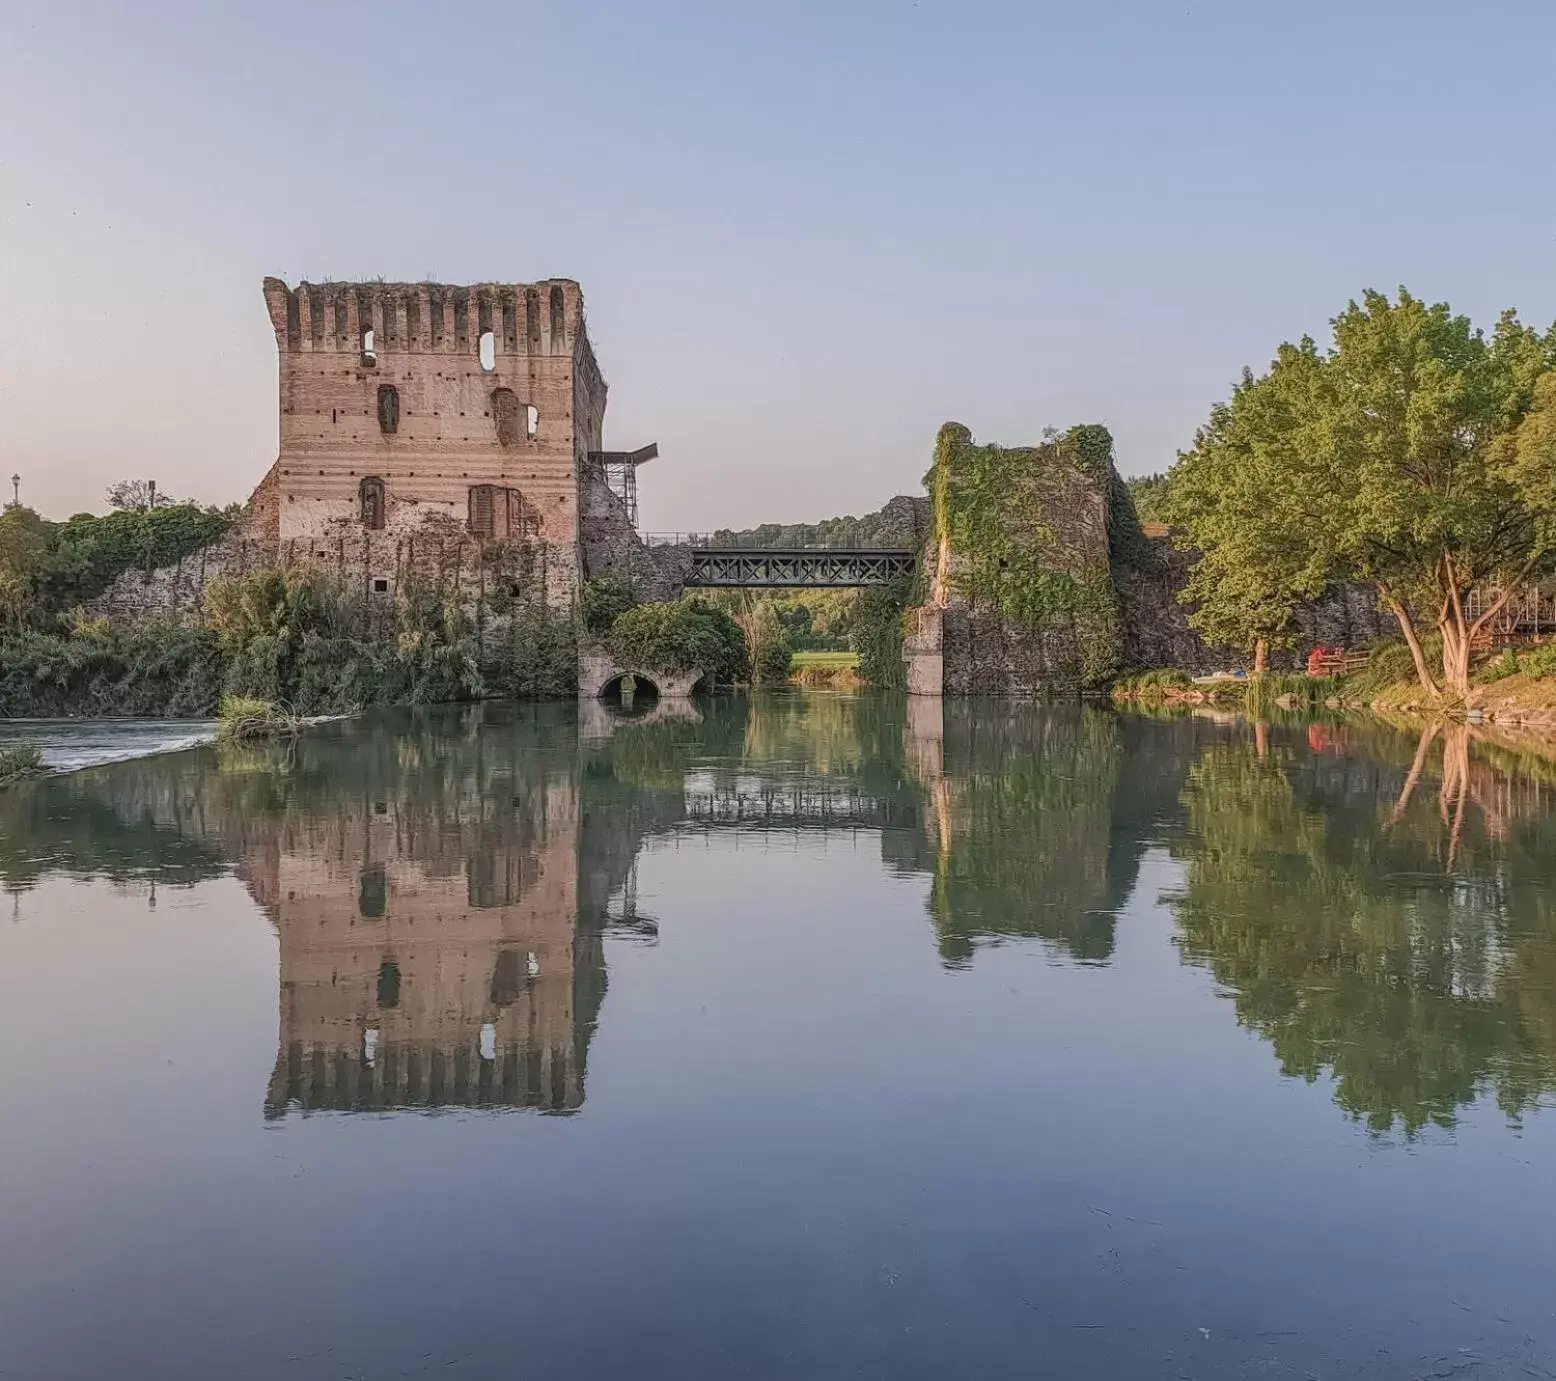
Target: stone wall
{"type": "Point", "coordinates": [178, 592]}
{"type": "Point", "coordinates": [611, 549]}
{"type": "Point", "coordinates": [1158, 632]}
{"type": "Point", "coordinates": [1018, 567]}
{"type": "Point", "coordinates": [434, 550]}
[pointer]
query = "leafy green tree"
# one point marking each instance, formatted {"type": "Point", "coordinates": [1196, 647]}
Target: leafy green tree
{"type": "Point", "coordinates": [1415, 454]}
{"type": "Point", "coordinates": [770, 647]}
{"type": "Point", "coordinates": [26, 561]}
{"type": "Point", "coordinates": [1439, 444]}
{"type": "Point", "coordinates": [1252, 572]}
{"type": "Point", "coordinates": [136, 494]}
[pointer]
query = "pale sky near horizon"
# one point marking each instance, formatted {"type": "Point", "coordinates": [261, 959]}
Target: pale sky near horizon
{"type": "Point", "coordinates": [807, 233]}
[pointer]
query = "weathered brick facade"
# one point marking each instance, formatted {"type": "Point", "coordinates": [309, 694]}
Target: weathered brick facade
{"type": "Point", "coordinates": [474, 407]}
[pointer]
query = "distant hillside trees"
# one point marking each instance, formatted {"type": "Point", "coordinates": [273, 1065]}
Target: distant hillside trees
{"type": "Point", "coordinates": [1150, 495]}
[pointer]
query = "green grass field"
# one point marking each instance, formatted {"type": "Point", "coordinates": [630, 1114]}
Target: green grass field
{"type": "Point", "coordinates": [826, 659]}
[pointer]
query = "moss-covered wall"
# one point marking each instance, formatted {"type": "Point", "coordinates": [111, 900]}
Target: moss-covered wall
{"type": "Point", "coordinates": [1020, 561]}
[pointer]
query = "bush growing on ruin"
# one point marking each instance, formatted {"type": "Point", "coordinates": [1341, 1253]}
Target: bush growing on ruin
{"type": "Point", "coordinates": [602, 602]}
{"type": "Point", "coordinates": [995, 506]}
{"type": "Point", "coordinates": [46, 568]}
{"type": "Point", "coordinates": [93, 552]}
{"type": "Point", "coordinates": [680, 636]}
{"type": "Point", "coordinates": [875, 632]}
{"type": "Point", "coordinates": [536, 659]}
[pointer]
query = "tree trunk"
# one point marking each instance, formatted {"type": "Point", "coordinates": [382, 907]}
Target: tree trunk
{"type": "Point", "coordinates": [1428, 734]}
{"type": "Point", "coordinates": [1456, 658]}
{"type": "Point", "coordinates": [1456, 633]}
{"type": "Point", "coordinates": [1261, 657]}
{"type": "Point", "coordinates": [1408, 628]}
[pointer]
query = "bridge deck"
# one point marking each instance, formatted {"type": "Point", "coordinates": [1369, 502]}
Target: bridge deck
{"type": "Point", "coordinates": [797, 567]}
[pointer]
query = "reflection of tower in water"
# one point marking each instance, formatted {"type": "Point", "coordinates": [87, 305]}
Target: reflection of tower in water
{"type": "Point", "coordinates": [430, 964]}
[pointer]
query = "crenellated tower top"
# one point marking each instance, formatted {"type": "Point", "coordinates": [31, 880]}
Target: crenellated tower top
{"type": "Point", "coordinates": [369, 319]}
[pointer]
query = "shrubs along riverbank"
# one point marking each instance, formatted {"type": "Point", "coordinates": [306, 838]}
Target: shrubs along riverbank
{"type": "Point", "coordinates": [1512, 687]}
{"type": "Point", "coordinates": [319, 645]}
{"type": "Point", "coordinates": [20, 762]}
{"type": "Point", "coordinates": [300, 639]}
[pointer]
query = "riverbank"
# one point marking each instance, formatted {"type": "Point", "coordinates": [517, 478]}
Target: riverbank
{"type": "Point", "coordinates": [1514, 690]}
{"type": "Point", "coordinates": [1518, 701]}
{"type": "Point", "coordinates": [825, 670]}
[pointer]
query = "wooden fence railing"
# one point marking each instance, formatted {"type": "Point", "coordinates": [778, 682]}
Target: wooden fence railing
{"type": "Point", "coordinates": [1337, 662]}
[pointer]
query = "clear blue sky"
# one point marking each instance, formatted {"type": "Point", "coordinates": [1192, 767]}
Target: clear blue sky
{"type": "Point", "coordinates": [808, 233]}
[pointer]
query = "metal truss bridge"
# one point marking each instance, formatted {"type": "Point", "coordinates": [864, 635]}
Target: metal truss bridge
{"type": "Point", "coordinates": [815, 568]}
{"type": "Point", "coordinates": [809, 808]}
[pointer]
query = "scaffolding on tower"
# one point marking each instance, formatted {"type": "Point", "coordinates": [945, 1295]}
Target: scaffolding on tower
{"type": "Point", "coordinates": [620, 469]}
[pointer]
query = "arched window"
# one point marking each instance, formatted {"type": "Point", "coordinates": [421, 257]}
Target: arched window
{"type": "Point", "coordinates": [388, 409]}
{"type": "Point", "coordinates": [370, 498]}
{"type": "Point", "coordinates": [389, 984]}
{"type": "Point", "coordinates": [487, 351]}
{"type": "Point", "coordinates": [508, 416]}
{"type": "Point", "coordinates": [369, 355]}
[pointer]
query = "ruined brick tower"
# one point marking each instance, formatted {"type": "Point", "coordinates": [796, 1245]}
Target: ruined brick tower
{"type": "Point", "coordinates": [423, 413]}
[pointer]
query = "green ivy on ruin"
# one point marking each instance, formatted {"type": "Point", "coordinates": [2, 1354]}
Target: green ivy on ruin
{"type": "Point", "coordinates": [1002, 512]}
{"type": "Point", "coordinates": [678, 636]}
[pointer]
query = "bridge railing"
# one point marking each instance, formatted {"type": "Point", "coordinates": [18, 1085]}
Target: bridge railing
{"type": "Point", "coordinates": [677, 539]}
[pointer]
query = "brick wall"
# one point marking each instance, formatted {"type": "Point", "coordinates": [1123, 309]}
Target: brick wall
{"type": "Point", "coordinates": [431, 390]}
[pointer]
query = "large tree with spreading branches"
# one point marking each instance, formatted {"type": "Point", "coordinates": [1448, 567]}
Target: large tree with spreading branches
{"type": "Point", "coordinates": [1416, 454]}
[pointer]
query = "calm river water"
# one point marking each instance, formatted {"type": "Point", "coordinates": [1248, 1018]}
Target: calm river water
{"type": "Point", "coordinates": [802, 1037]}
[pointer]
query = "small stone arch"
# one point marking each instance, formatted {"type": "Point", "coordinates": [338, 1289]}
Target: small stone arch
{"type": "Point", "coordinates": [645, 689]}
{"type": "Point", "coordinates": [599, 672]}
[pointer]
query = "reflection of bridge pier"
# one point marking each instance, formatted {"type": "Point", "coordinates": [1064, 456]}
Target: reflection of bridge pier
{"type": "Point", "coordinates": [598, 720]}
{"type": "Point", "coordinates": [923, 738]}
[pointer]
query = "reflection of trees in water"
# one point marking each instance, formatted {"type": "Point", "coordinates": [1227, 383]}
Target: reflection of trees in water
{"type": "Point", "coordinates": [1379, 907]}
{"type": "Point", "coordinates": [1036, 827]}
{"type": "Point", "coordinates": [1394, 931]}
{"type": "Point", "coordinates": [63, 825]}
